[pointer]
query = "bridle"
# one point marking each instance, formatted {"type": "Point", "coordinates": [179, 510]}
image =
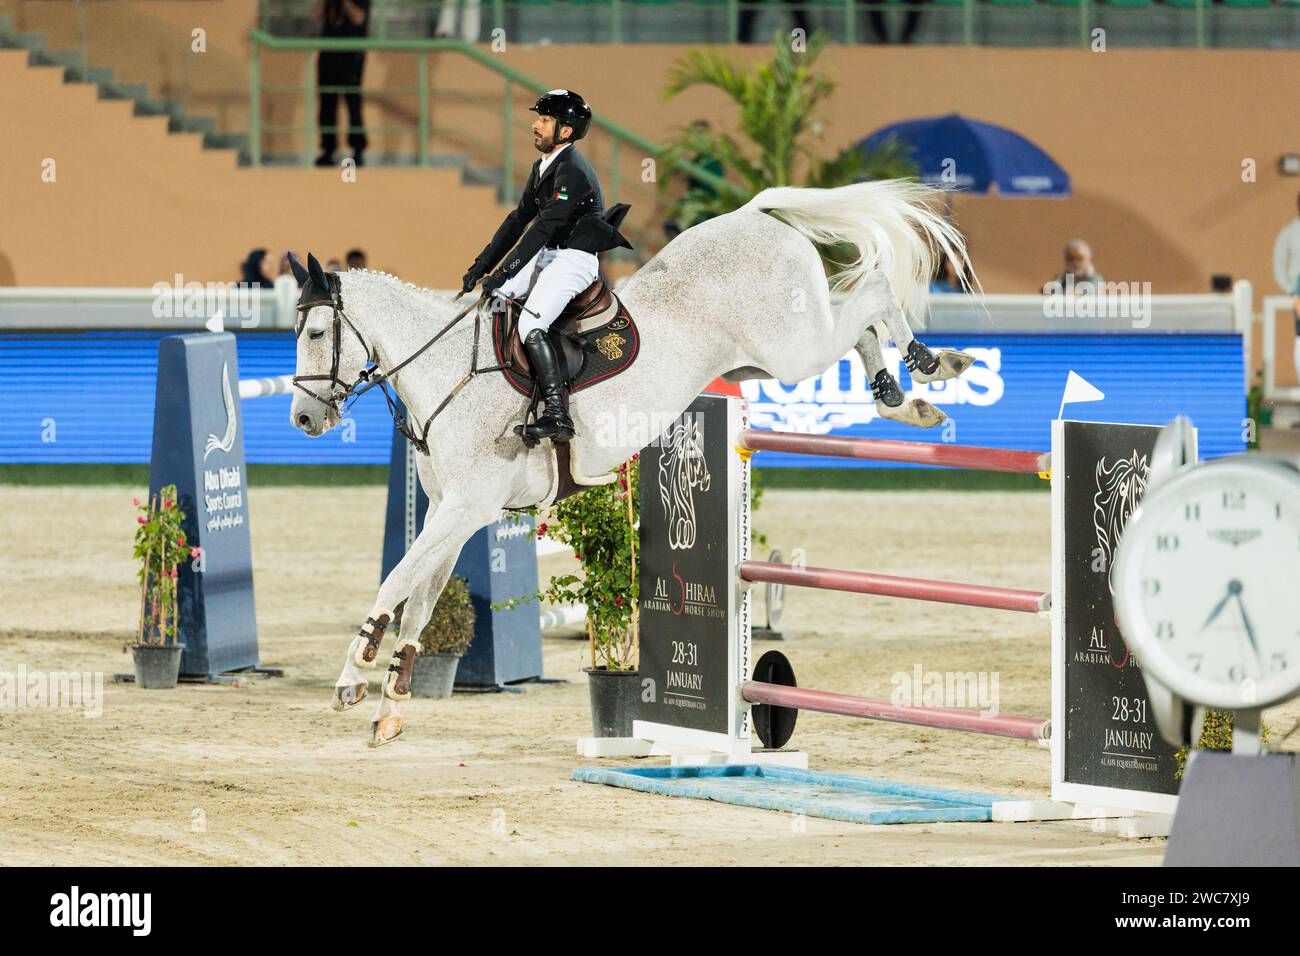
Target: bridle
{"type": "Point", "coordinates": [342, 395]}
{"type": "Point", "coordinates": [340, 390]}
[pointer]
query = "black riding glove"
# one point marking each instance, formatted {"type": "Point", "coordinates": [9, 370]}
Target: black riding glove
{"type": "Point", "coordinates": [472, 276]}
{"type": "Point", "coordinates": [493, 282]}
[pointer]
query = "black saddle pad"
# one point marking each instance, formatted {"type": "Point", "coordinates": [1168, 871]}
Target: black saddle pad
{"type": "Point", "coordinates": [613, 346]}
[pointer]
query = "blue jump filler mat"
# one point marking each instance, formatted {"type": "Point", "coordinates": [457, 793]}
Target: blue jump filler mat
{"type": "Point", "coordinates": [832, 796]}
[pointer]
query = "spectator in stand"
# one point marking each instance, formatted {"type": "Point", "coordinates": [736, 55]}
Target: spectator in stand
{"type": "Point", "coordinates": [1295, 313]}
{"type": "Point", "coordinates": [285, 268]}
{"type": "Point", "coordinates": [341, 18]}
{"type": "Point", "coordinates": [749, 10]}
{"type": "Point", "coordinates": [1286, 255]}
{"type": "Point", "coordinates": [256, 270]}
{"type": "Point", "coordinates": [334, 265]}
{"type": "Point", "coordinates": [470, 20]}
{"type": "Point", "coordinates": [1079, 275]}
{"type": "Point", "coordinates": [356, 259]}
{"type": "Point", "coordinates": [699, 188]}
{"type": "Point", "coordinates": [877, 17]}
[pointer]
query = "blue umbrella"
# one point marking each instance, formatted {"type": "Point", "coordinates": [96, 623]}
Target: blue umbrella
{"type": "Point", "coordinates": [974, 157]}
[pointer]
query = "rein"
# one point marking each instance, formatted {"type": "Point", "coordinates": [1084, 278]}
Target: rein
{"type": "Point", "coordinates": [372, 375]}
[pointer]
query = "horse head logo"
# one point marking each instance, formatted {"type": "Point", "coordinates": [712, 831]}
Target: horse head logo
{"type": "Point", "coordinates": [682, 468]}
{"type": "Point", "coordinates": [1120, 487]}
{"type": "Point", "coordinates": [227, 440]}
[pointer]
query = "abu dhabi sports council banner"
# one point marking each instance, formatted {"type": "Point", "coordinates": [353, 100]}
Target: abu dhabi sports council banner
{"type": "Point", "coordinates": [89, 397]}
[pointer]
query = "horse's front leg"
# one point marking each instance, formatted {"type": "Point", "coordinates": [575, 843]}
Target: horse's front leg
{"type": "Point", "coordinates": [423, 571]}
{"type": "Point", "coordinates": [352, 688]}
{"type": "Point", "coordinates": [388, 720]}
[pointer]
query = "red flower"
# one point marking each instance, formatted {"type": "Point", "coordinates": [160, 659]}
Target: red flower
{"type": "Point", "coordinates": [195, 552]}
{"type": "Point", "coordinates": [140, 520]}
{"type": "Point", "coordinates": [167, 504]}
{"type": "Point", "coordinates": [636, 456]}
{"type": "Point", "coordinates": [541, 529]}
{"type": "Point", "coordinates": [618, 601]}
{"type": "Point", "coordinates": [135, 501]}
{"type": "Point", "coordinates": [578, 555]}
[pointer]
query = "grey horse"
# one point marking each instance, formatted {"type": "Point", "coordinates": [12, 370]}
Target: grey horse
{"type": "Point", "coordinates": [741, 296]}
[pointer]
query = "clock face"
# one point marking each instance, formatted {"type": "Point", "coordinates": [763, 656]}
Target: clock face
{"type": "Point", "coordinates": [1208, 584]}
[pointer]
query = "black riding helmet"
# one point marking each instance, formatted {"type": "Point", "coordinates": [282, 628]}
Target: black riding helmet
{"type": "Point", "coordinates": [567, 107]}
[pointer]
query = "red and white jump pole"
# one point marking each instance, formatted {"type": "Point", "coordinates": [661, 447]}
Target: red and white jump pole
{"type": "Point", "coordinates": [941, 718]}
{"type": "Point", "coordinates": [888, 585]}
{"type": "Point", "coordinates": [880, 449]}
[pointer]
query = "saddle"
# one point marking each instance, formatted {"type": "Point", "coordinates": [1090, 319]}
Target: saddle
{"type": "Point", "coordinates": [594, 339]}
{"type": "Point", "coordinates": [563, 333]}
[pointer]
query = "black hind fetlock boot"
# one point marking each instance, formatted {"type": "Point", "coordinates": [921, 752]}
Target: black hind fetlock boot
{"type": "Point", "coordinates": [920, 359]}
{"type": "Point", "coordinates": [554, 422]}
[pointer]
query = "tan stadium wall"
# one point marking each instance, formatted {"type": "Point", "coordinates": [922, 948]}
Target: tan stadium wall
{"type": "Point", "coordinates": [1154, 141]}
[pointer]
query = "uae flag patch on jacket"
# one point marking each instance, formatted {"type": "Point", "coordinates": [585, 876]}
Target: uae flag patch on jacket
{"type": "Point", "coordinates": [562, 192]}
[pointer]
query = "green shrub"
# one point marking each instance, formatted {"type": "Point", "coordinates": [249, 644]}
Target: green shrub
{"type": "Point", "coordinates": [451, 628]}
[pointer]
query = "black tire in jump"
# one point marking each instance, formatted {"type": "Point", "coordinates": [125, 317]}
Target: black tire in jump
{"type": "Point", "coordinates": [774, 725]}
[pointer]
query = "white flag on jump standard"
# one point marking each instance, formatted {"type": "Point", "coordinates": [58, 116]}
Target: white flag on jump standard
{"type": "Point", "coordinates": [1079, 389]}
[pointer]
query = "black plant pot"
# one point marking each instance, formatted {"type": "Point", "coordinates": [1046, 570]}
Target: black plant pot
{"type": "Point", "coordinates": [615, 698]}
{"type": "Point", "coordinates": [157, 666]}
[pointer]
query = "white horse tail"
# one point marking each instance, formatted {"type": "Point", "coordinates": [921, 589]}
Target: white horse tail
{"type": "Point", "coordinates": [889, 223]}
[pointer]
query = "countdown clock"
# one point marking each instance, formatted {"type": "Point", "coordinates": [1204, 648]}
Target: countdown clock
{"type": "Point", "coordinates": [1208, 586]}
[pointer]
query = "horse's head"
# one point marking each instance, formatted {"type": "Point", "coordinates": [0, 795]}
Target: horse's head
{"type": "Point", "coordinates": [331, 350]}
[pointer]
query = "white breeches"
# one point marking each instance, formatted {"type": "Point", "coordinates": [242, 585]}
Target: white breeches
{"type": "Point", "coordinates": [563, 274]}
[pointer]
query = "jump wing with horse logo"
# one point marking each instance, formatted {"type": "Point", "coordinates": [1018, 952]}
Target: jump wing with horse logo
{"type": "Point", "coordinates": [227, 440]}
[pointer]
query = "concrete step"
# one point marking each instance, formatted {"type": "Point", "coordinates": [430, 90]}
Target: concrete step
{"type": "Point", "coordinates": [184, 123]}
{"type": "Point", "coordinates": [34, 42]}
{"type": "Point", "coordinates": [123, 91]}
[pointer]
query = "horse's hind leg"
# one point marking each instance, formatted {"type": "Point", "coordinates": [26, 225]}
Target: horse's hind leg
{"type": "Point", "coordinates": [868, 306]}
{"type": "Point", "coordinates": [891, 403]}
{"type": "Point", "coordinates": [922, 364]}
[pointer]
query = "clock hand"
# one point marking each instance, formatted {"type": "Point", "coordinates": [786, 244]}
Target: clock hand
{"type": "Point", "coordinates": [1217, 609]}
{"type": "Point", "coordinates": [1250, 631]}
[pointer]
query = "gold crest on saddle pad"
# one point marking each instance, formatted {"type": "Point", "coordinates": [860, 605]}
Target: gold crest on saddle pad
{"type": "Point", "coordinates": [611, 345]}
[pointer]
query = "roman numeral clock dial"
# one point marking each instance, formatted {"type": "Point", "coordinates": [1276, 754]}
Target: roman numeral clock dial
{"type": "Point", "coordinates": [1208, 583]}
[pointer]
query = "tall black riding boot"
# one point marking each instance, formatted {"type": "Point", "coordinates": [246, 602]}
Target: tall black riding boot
{"type": "Point", "coordinates": [554, 422]}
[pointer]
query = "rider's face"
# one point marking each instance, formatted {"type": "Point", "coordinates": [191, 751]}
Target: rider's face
{"type": "Point", "coordinates": [544, 133]}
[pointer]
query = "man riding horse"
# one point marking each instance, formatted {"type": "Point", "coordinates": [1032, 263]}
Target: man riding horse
{"type": "Point", "coordinates": [557, 258]}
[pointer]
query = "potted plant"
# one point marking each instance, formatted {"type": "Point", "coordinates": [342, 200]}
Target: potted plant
{"type": "Point", "coordinates": [601, 527]}
{"type": "Point", "coordinates": [160, 547]}
{"type": "Point", "coordinates": [443, 642]}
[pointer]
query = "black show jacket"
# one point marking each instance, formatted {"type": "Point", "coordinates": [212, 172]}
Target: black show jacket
{"type": "Point", "coordinates": [566, 203]}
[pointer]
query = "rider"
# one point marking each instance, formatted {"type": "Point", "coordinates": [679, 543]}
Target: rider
{"type": "Point", "coordinates": [564, 202]}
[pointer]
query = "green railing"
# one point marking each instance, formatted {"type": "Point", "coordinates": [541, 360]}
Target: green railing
{"type": "Point", "coordinates": [504, 111]}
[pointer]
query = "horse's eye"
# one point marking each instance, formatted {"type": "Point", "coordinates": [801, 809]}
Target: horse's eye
{"type": "Point", "coordinates": [316, 334]}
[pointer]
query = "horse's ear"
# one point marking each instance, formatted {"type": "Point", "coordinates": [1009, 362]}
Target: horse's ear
{"type": "Point", "coordinates": [317, 273]}
{"type": "Point", "coordinates": [299, 273]}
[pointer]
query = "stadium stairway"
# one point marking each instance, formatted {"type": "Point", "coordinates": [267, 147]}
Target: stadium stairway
{"type": "Point", "coordinates": [75, 70]}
